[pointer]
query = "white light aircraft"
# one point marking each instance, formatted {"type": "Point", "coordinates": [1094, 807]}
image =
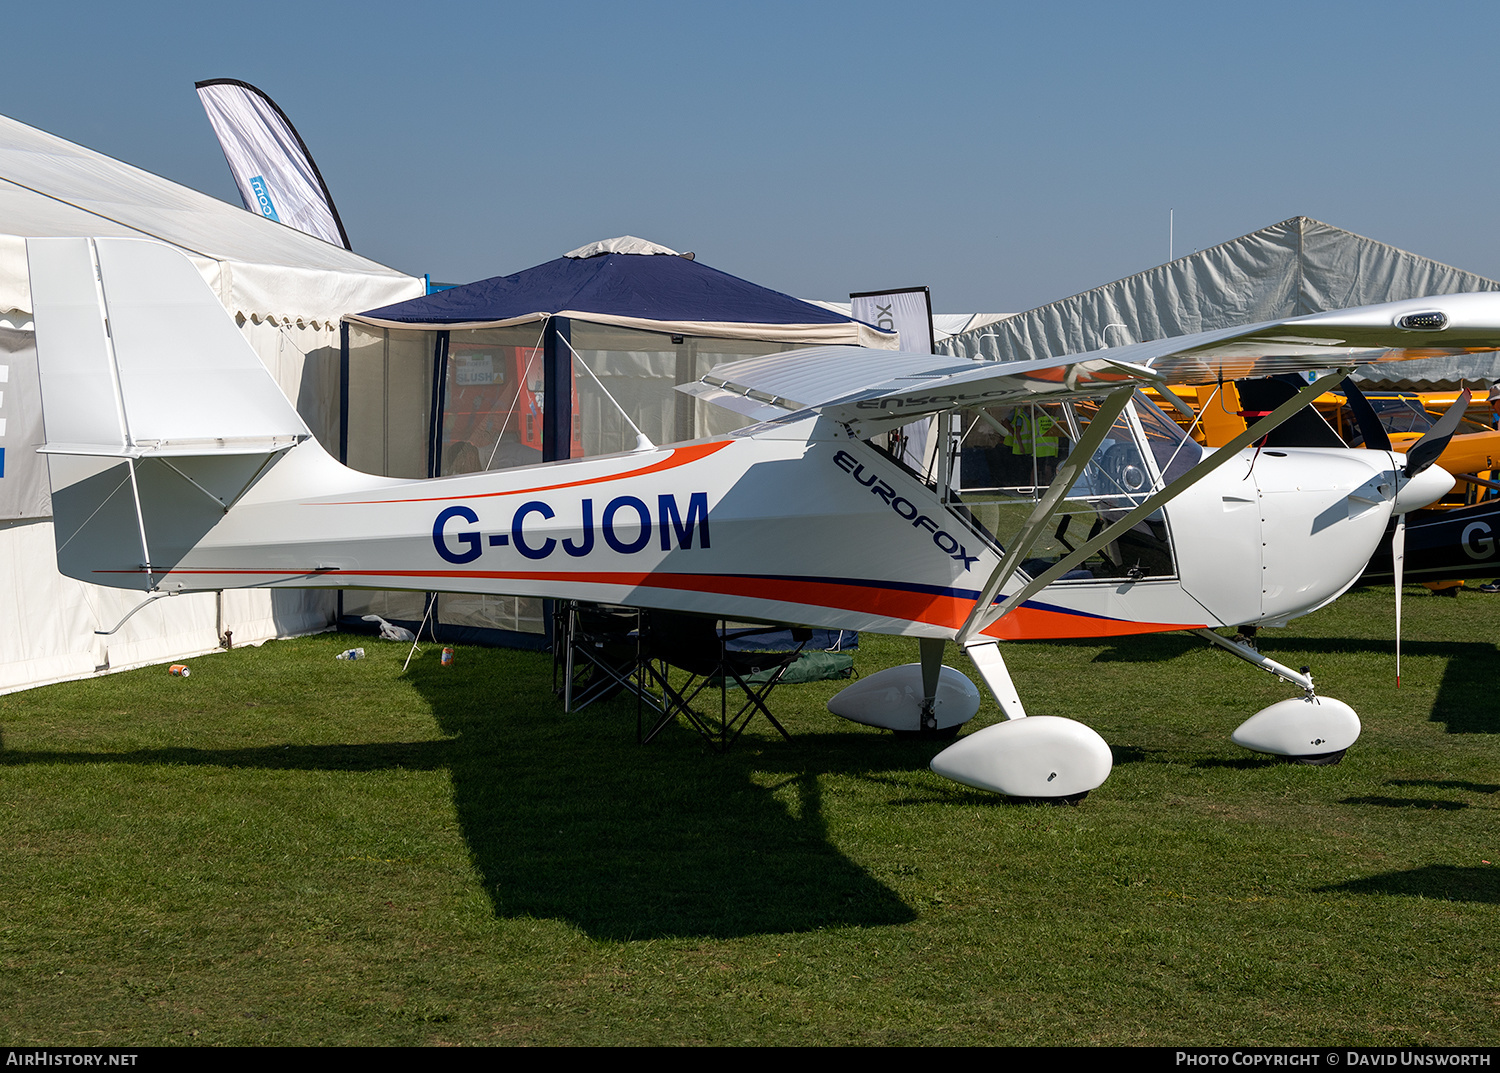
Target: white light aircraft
{"type": "Point", "coordinates": [177, 465]}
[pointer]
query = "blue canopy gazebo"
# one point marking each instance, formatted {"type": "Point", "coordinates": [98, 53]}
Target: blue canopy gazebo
{"type": "Point", "coordinates": [635, 284]}
{"type": "Point", "coordinates": [565, 359]}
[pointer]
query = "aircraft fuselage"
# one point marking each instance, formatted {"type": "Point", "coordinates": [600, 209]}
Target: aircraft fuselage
{"type": "Point", "coordinates": [788, 522]}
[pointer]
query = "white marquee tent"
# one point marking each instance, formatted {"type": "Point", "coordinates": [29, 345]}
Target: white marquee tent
{"type": "Point", "coordinates": [287, 290]}
{"type": "Point", "coordinates": [1288, 269]}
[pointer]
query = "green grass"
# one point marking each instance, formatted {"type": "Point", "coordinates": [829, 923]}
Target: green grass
{"type": "Point", "coordinates": [289, 849]}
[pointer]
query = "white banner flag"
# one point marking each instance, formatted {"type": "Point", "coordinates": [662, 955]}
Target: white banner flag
{"type": "Point", "coordinates": [271, 166]}
{"type": "Point", "coordinates": [909, 312]}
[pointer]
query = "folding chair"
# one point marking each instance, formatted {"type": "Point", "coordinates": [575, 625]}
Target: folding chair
{"type": "Point", "coordinates": [596, 653]}
{"type": "Point", "coordinates": [696, 644]}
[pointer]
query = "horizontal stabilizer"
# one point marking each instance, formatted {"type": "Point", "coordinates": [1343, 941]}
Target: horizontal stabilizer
{"type": "Point", "coordinates": [137, 357]}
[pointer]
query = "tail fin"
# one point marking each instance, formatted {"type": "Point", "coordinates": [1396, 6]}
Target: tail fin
{"type": "Point", "coordinates": [158, 415]}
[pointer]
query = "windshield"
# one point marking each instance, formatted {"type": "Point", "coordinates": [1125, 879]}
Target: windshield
{"type": "Point", "coordinates": [1008, 455]}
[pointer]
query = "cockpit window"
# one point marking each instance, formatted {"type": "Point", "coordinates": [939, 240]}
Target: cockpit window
{"type": "Point", "coordinates": [1008, 455]}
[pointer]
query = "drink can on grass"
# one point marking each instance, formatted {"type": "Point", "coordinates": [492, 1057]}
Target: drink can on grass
{"type": "Point", "coordinates": [180, 670]}
{"type": "Point", "coordinates": [447, 656]}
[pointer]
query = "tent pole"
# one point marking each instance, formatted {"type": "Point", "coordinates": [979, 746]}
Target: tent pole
{"type": "Point", "coordinates": [557, 388]}
{"type": "Point", "coordinates": [344, 392]}
{"type": "Point", "coordinates": [438, 404]}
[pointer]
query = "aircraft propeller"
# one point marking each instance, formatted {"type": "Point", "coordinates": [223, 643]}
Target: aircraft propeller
{"type": "Point", "coordinates": [1426, 450]}
{"type": "Point", "coordinates": [1420, 458]}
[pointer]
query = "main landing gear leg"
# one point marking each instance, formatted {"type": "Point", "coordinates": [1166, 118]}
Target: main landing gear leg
{"type": "Point", "coordinates": [932, 667]}
{"type": "Point", "coordinates": [1305, 730]}
{"type": "Point", "coordinates": [1040, 758]}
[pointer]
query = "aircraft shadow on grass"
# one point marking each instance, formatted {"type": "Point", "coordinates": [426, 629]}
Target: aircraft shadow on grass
{"type": "Point", "coordinates": [1443, 882]}
{"type": "Point", "coordinates": [567, 817]}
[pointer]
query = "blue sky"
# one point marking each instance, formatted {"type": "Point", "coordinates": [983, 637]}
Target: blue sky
{"type": "Point", "coordinates": [1003, 154]}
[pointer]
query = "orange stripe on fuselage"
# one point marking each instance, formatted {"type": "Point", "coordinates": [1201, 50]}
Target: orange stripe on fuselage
{"type": "Point", "coordinates": [1025, 623]}
{"type": "Point", "coordinates": [680, 456]}
{"type": "Point", "coordinates": [1042, 624]}
{"type": "Point", "coordinates": [930, 608]}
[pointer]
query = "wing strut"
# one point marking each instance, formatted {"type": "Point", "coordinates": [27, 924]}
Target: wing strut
{"type": "Point", "coordinates": [980, 621]}
{"type": "Point", "coordinates": [1067, 475]}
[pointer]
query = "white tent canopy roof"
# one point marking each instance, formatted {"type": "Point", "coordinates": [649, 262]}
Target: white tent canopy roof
{"type": "Point", "coordinates": [623, 244]}
{"type": "Point", "coordinates": [259, 268]}
{"type": "Point", "coordinates": [1296, 267]}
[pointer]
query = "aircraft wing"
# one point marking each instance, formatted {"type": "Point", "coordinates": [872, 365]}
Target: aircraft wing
{"type": "Point", "coordinates": [871, 390]}
{"type": "Point", "coordinates": [875, 389]}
